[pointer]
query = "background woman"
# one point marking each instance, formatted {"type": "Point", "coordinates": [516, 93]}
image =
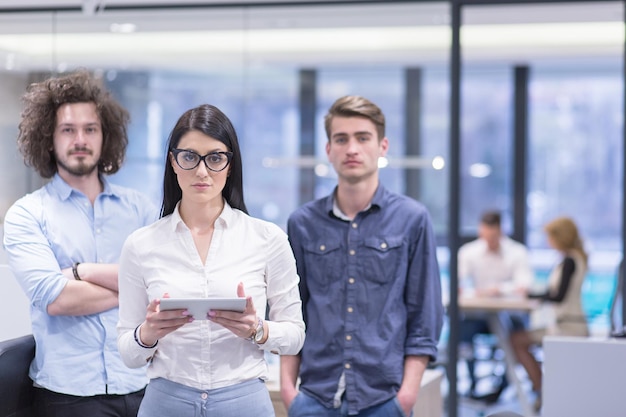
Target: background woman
{"type": "Point", "coordinates": [205, 245]}
{"type": "Point", "coordinates": [563, 293]}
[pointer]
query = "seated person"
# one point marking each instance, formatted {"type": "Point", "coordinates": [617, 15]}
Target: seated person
{"type": "Point", "coordinates": [564, 295]}
{"type": "Point", "coordinates": [490, 266]}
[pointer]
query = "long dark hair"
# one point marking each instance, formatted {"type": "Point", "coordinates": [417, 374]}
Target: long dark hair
{"type": "Point", "coordinates": [210, 121]}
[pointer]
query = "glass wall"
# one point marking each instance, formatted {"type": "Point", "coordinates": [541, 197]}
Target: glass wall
{"type": "Point", "coordinates": [572, 172]}
{"type": "Point", "coordinates": [574, 125]}
{"type": "Point", "coordinates": [245, 60]}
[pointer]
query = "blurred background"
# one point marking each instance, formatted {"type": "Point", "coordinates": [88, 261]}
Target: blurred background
{"type": "Point", "coordinates": [541, 102]}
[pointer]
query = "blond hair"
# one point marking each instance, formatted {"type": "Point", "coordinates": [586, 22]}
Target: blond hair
{"type": "Point", "coordinates": [565, 236]}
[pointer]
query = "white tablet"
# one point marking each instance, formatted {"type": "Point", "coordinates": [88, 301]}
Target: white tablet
{"type": "Point", "coordinates": [199, 307]}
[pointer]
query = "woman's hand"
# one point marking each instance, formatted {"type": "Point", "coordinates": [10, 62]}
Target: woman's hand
{"type": "Point", "coordinates": [241, 324]}
{"type": "Point", "coordinates": [160, 323]}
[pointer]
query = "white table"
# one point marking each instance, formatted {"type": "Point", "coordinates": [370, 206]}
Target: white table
{"type": "Point", "coordinates": [583, 377]}
{"type": "Point", "coordinates": [494, 308]}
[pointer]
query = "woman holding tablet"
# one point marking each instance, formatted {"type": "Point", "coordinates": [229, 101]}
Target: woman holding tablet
{"type": "Point", "coordinates": [206, 246]}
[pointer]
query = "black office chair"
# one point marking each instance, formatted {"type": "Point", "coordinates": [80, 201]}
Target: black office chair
{"type": "Point", "coordinates": [16, 388]}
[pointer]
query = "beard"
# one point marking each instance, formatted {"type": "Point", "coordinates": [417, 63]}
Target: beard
{"type": "Point", "coordinates": [80, 169]}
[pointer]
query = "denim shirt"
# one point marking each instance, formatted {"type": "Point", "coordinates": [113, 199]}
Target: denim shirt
{"type": "Point", "coordinates": [371, 295]}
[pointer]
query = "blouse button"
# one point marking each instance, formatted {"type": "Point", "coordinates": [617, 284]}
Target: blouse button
{"type": "Point", "coordinates": [322, 247]}
{"type": "Point", "coordinates": [383, 245]}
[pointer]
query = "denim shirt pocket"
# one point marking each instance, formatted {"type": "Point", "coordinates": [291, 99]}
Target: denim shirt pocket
{"type": "Point", "coordinates": [383, 258]}
{"type": "Point", "coordinates": [323, 261]}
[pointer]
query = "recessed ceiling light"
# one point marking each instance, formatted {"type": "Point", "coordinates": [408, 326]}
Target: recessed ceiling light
{"type": "Point", "coordinates": [123, 27]}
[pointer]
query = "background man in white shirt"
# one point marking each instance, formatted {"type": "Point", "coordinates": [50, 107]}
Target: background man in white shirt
{"type": "Point", "coordinates": [492, 265]}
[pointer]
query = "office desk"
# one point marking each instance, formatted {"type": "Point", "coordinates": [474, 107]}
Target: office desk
{"type": "Point", "coordinates": [493, 308]}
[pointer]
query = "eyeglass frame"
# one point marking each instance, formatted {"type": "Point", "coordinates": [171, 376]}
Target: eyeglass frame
{"type": "Point", "coordinates": [177, 151]}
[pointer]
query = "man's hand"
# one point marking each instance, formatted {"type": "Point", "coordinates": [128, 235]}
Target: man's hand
{"type": "Point", "coordinates": [288, 394]}
{"type": "Point", "coordinates": [407, 400]}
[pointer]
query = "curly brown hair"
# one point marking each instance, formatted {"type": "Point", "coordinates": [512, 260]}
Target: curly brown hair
{"type": "Point", "coordinates": [38, 121]}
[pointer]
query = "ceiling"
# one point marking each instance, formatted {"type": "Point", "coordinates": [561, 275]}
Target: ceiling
{"type": "Point", "coordinates": [96, 33]}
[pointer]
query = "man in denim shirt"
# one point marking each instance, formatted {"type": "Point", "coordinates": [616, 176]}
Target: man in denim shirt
{"type": "Point", "coordinates": [370, 283]}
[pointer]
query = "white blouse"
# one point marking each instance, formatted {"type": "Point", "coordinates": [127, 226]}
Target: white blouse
{"type": "Point", "coordinates": [162, 258]}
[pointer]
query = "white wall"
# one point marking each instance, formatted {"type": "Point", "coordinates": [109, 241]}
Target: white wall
{"type": "Point", "coordinates": [14, 308]}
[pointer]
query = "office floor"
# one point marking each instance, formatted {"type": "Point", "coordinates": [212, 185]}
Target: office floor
{"type": "Point", "coordinates": [468, 407]}
{"type": "Point", "coordinates": [472, 408]}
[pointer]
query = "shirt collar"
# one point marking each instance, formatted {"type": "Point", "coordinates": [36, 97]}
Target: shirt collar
{"type": "Point", "coordinates": [333, 209]}
{"type": "Point", "coordinates": [504, 243]}
{"type": "Point", "coordinates": [223, 220]}
{"type": "Point", "coordinates": [64, 190]}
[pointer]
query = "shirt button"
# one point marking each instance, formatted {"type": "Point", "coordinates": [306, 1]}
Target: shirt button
{"type": "Point", "coordinates": [383, 245]}
{"type": "Point", "coordinates": [347, 366]}
{"type": "Point", "coordinates": [322, 247]}
{"type": "Point", "coordinates": [350, 309]}
{"type": "Point", "coordinates": [351, 280]}
{"type": "Point", "coordinates": [204, 396]}
{"type": "Point", "coordinates": [98, 231]}
{"type": "Point", "coordinates": [348, 337]}
{"type": "Point", "coordinates": [352, 252]}
{"type": "Point", "coordinates": [354, 225]}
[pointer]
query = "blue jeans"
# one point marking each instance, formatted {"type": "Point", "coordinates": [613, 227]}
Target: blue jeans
{"type": "Point", "coordinates": [165, 398]}
{"type": "Point", "coordinates": [306, 406]}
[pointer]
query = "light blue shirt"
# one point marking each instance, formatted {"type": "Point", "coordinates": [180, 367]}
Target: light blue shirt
{"type": "Point", "coordinates": [47, 231]}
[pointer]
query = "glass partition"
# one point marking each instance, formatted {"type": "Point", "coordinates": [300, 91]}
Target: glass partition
{"type": "Point", "coordinates": [245, 60]}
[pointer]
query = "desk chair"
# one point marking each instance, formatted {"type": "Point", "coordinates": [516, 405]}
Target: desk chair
{"type": "Point", "coordinates": [16, 388]}
{"type": "Point", "coordinates": [484, 360]}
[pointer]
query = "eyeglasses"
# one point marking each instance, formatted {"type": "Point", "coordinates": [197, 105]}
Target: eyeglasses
{"type": "Point", "coordinates": [214, 161]}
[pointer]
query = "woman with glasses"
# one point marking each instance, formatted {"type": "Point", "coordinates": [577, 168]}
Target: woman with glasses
{"type": "Point", "coordinates": [206, 246]}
